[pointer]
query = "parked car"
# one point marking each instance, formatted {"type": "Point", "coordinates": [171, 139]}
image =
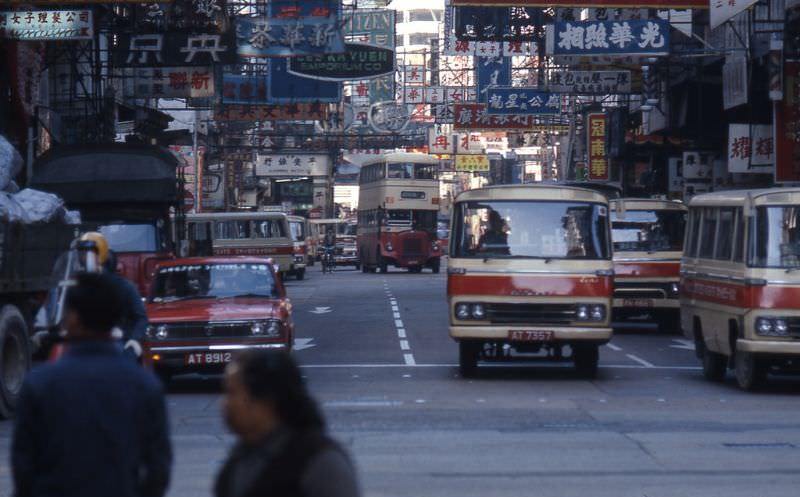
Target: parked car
{"type": "Point", "coordinates": [204, 310]}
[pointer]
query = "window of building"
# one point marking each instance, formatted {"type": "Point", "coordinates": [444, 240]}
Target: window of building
{"type": "Point", "coordinates": [420, 39]}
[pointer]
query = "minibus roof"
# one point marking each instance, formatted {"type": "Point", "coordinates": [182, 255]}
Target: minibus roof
{"type": "Point", "coordinates": [530, 192]}
{"type": "Point", "coordinates": [328, 221]}
{"type": "Point", "coordinates": [234, 216]}
{"type": "Point", "coordinates": [648, 204]}
{"type": "Point", "coordinates": [402, 157]}
{"type": "Point", "coordinates": [739, 197]}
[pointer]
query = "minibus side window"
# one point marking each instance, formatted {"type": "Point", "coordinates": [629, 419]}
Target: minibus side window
{"type": "Point", "coordinates": [725, 235]}
{"type": "Point", "coordinates": [738, 247]}
{"type": "Point", "coordinates": [708, 232]}
{"type": "Point", "coordinates": [692, 233]}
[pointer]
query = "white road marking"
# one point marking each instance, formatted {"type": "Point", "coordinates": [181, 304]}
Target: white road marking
{"type": "Point", "coordinates": [396, 315]}
{"type": "Point", "coordinates": [397, 365]}
{"type": "Point", "coordinates": [613, 347]}
{"type": "Point", "coordinates": [401, 332]}
{"type": "Point", "coordinates": [682, 344]}
{"type": "Point", "coordinates": [363, 403]}
{"type": "Point", "coordinates": [398, 323]}
{"type": "Point", "coordinates": [303, 343]}
{"type": "Point", "coordinates": [640, 361]}
{"type": "Point", "coordinates": [404, 345]}
{"type": "Point", "coordinates": [321, 310]}
{"type": "Point", "coordinates": [395, 308]}
{"type": "Point", "coordinates": [409, 358]}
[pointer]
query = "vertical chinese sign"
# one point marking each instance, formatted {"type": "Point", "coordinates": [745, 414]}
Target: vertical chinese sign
{"type": "Point", "coordinates": [598, 155]}
{"type": "Point", "coordinates": [787, 110]}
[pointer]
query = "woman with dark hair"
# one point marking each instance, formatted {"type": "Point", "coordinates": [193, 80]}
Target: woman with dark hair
{"type": "Point", "coordinates": [283, 449]}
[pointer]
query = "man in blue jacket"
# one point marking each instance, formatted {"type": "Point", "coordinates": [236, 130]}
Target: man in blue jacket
{"type": "Point", "coordinates": [94, 422]}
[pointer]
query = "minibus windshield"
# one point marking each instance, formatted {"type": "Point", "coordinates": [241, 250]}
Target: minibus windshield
{"type": "Point", "coordinates": [647, 230]}
{"type": "Point", "coordinates": [531, 229]}
{"type": "Point", "coordinates": [776, 241]}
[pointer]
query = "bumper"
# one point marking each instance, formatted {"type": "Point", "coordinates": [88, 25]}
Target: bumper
{"type": "Point", "coordinates": [174, 357]}
{"type": "Point", "coordinates": [769, 347]}
{"type": "Point", "coordinates": [403, 261]}
{"type": "Point", "coordinates": [346, 260]}
{"type": "Point", "coordinates": [622, 304]}
{"type": "Point", "coordinates": [560, 334]}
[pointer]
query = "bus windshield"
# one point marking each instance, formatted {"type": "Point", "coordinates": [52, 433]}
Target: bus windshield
{"type": "Point", "coordinates": [417, 219]}
{"type": "Point", "coordinates": [528, 229]}
{"type": "Point", "coordinates": [648, 230]}
{"type": "Point", "coordinates": [346, 229]}
{"type": "Point", "coordinates": [131, 237]}
{"type": "Point", "coordinates": [776, 241]}
{"type": "Point", "coordinates": [409, 170]}
{"type": "Point", "coordinates": [203, 281]}
{"type": "Point", "coordinates": [298, 231]}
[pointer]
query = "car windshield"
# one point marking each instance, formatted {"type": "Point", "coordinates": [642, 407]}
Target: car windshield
{"type": "Point", "coordinates": [647, 230]}
{"type": "Point", "coordinates": [776, 241]}
{"type": "Point", "coordinates": [131, 237]}
{"type": "Point", "coordinates": [346, 229]}
{"type": "Point", "coordinates": [530, 229]}
{"type": "Point", "coordinates": [201, 281]}
{"type": "Point", "coordinates": [298, 231]}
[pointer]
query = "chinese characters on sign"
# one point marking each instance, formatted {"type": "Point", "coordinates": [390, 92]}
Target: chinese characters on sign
{"type": "Point", "coordinates": [290, 112]}
{"type": "Point", "coordinates": [750, 148]}
{"type": "Point", "coordinates": [477, 117]}
{"type": "Point", "coordinates": [598, 158]}
{"type": "Point", "coordinates": [358, 62]}
{"type": "Point", "coordinates": [722, 10]}
{"type": "Point", "coordinates": [491, 71]}
{"type": "Point", "coordinates": [443, 143]}
{"type": "Point", "coordinates": [472, 163]}
{"type": "Point", "coordinates": [292, 165]}
{"type": "Point", "coordinates": [589, 82]}
{"type": "Point", "coordinates": [634, 37]}
{"type": "Point", "coordinates": [174, 49]}
{"type": "Point", "coordinates": [244, 89]}
{"type": "Point", "coordinates": [174, 82]}
{"type": "Point", "coordinates": [276, 37]}
{"type": "Point", "coordinates": [47, 25]}
{"type": "Point", "coordinates": [520, 100]}
{"type": "Point", "coordinates": [662, 4]}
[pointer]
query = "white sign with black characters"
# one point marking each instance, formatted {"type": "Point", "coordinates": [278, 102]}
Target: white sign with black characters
{"type": "Point", "coordinates": [76, 24]}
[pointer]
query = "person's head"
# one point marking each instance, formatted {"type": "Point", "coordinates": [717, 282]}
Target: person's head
{"type": "Point", "coordinates": [264, 391]}
{"type": "Point", "coordinates": [92, 307]}
{"type": "Point", "coordinates": [495, 221]}
{"type": "Point", "coordinates": [98, 244]}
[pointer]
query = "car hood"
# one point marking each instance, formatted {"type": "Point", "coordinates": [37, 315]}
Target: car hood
{"type": "Point", "coordinates": [204, 310]}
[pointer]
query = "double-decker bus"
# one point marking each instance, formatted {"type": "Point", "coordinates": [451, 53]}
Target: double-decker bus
{"type": "Point", "coordinates": [398, 208]}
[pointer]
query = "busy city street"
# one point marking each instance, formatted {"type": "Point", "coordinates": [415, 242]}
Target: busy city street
{"type": "Point", "coordinates": [376, 353]}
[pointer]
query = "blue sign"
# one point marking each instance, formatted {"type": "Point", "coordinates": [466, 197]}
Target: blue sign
{"type": "Point", "coordinates": [522, 101]}
{"type": "Point", "coordinates": [277, 86]}
{"type": "Point", "coordinates": [491, 71]}
{"type": "Point", "coordinates": [633, 37]}
{"type": "Point", "coordinates": [271, 37]}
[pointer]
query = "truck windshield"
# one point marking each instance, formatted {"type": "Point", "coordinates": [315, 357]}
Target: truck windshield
{"type": "Point", "coordinates": [213, 281]}
{"type": "Point", "coordinates": [648, 230]}
{"type": "Point", "coordinates": [530, 229]}
{"type": "Point", "coordinates": [131, 237]}
{"type": "Point", "coordinates": [776, 241]}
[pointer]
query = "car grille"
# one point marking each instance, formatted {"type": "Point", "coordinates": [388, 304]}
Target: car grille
{"type": "Point", "coordinates": [643, 290]}
{"type": "Point", "coordinates": [794, 327]}
{"type": "Point", "coordinates": [530, 313]}
{"type": "Point", "coordinates": [208, 330]}
{"type": "Point", "coordinates": [412, 246]}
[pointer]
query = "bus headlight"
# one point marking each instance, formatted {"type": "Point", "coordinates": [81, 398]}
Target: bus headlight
{"type": "Point", "coordinates": [463, 311]}
{"type": "Point", "coordinates": [590, 312]}
{"type": "Point", "coordinates": [436, 246]}
{"type": "Point", "coordinates": [478, 311]}
{"type": "Point", "coordinates": [582, 312]}
{"type": "Point", "coordinates": [674, 289]}
{"type": "Point", "coordinates": [162, 332]}
{"type": "Point", "coordinates": [598, 312]}
{"type": "Point", "coordinates": [773, 327]}
{"type": "Point", "coordinates": [389, 247]}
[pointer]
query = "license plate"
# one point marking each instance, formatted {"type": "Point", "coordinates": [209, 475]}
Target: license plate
{"type": "Point", "coordinates": [530, 336]}
{"type": "Point", "coordinates": [202, 358]}
{"type": "Point", "coordinates": [413, 263]}
{"type": "Point", "coordinates": [637, 302]}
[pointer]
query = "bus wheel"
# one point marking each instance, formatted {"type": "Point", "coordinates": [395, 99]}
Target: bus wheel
{"type": "Point", "coordinates": [364, 268]}
{"type": "Point", "coordinates": [468, 353]}
{"type": "Point", "coordinates": [14, 357]}
{"type": "Point", "coordinates": [382, 265]}
{"type": "Point", "coordinates": [714, 365]}
{"type": "Point", "coordinates": [300, 274]}
{"type": "Point", "coordinates": [750, 371]}
{"type": "Point", "coordinates": [586, 357]}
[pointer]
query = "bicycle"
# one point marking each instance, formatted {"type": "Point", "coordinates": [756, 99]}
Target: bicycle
{"type": "Point", "coordinates": [328, 262]}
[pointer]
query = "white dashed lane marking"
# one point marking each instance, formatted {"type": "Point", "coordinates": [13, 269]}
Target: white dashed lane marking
{"type": "Point", "coordinates": [405, 347]}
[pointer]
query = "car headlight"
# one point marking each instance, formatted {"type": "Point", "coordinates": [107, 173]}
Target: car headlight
{"type": "Point", "coordinates": [273, 328]}
{"type": "Point", "coordinates": [674, 289]}
{"type": "Point", "coordinates": [257, 329]}
{"type": "Point", "coordinates": [775, 327]}
{"type": "Point", "coordinates": [162, 332]}
{"type": "Point", "coordinates": [582, 312]}
{"type": "Point", "coordinates": [590, 312]}
{"type": "Point", "coordinates": [463, 311]}
{"type": "Point", "coordinates": [389, 247]}
{"type": "Point", "coordinates": [436, 246]}
{"type": "Point", "coordinates": [150, 331]}
{"type": "Point", "coordinates": [478, 311]}
{"type": "Point", "coordinates": [598, 312]}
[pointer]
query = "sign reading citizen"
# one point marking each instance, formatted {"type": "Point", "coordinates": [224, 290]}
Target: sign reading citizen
{"type": "Point", "coordinates": [357, 62]}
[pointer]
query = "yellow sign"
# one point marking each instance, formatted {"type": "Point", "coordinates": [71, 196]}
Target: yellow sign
{"type": "Point", "coordinates": [472, 163]}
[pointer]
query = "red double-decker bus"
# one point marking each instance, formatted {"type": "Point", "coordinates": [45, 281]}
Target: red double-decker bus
{"type": "Point", "coordinates": [398, 208]}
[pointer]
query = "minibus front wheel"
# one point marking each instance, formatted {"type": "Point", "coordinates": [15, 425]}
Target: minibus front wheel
{"type": "Point", "coordinates": [468, 354]}
{"type": "Point", "coordinates": [751, 371]}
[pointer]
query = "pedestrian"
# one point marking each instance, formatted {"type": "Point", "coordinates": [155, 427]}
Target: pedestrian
{"type": "Point", "coordinates": [92, 423]}
{"type": "Point", "coordinates": [283, 450]}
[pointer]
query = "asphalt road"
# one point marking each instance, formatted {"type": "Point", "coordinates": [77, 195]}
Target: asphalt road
{"type": "Point", "coordinates": [375, 351]}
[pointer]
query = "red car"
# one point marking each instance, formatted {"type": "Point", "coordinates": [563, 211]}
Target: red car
{"type": "Point", "coordinates": [203, 310]}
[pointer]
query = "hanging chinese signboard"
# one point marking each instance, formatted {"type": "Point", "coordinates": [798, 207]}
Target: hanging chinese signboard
{"type": "Point", "coordinates": [498, 24]}
{"type": "Point", "coordinates": [276, 37]}
{"type": "Point", "coordinates": [522, 100]}
{"type": "Point", "coordinates": [787, 127]}
{"type": "Point", "coordinates": [472, 163]}
{"type": "Point", "coordinates": [634, 37]}
{"type": "Point", "coordinates": [374, 27]}
{"type": "Point", "coordinates": [444, 143]}
{"type": "Point", "coordinates": [597, 131]}
{"type": "Point", "coordinates": [293, 165]}
{"type": "Point", "coordinates": [453, 46]}
{"type": "Point", "coordinates": [414, 74]}
{"type": "Point", "coordinates": [286, 112]}
{"type": "Point", "coordinates": [636, 4]}
{"type": "Point", "coordinates": [47, 25]}
{"type": "Point", "coordinates": [174, 82]}
{"type": "Point", "coordinates": [277, 86]}
{"type": "Point", "coordinates": [491, 71]}
{"type": "Point", "coordinates": [181, 15]}
{"type": "Point", "coordinates": [174, 49]}
{"type": "Point", "coordinates": [357, 62]}
{"type": "Point", "coordinates": [588, 82]}
{"type": "Point", "coordinates": [750, 148]}
{"type": "Point", "coordinates": [722, 10]}
{"type": "Point", "coordinates": [476, 117]}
